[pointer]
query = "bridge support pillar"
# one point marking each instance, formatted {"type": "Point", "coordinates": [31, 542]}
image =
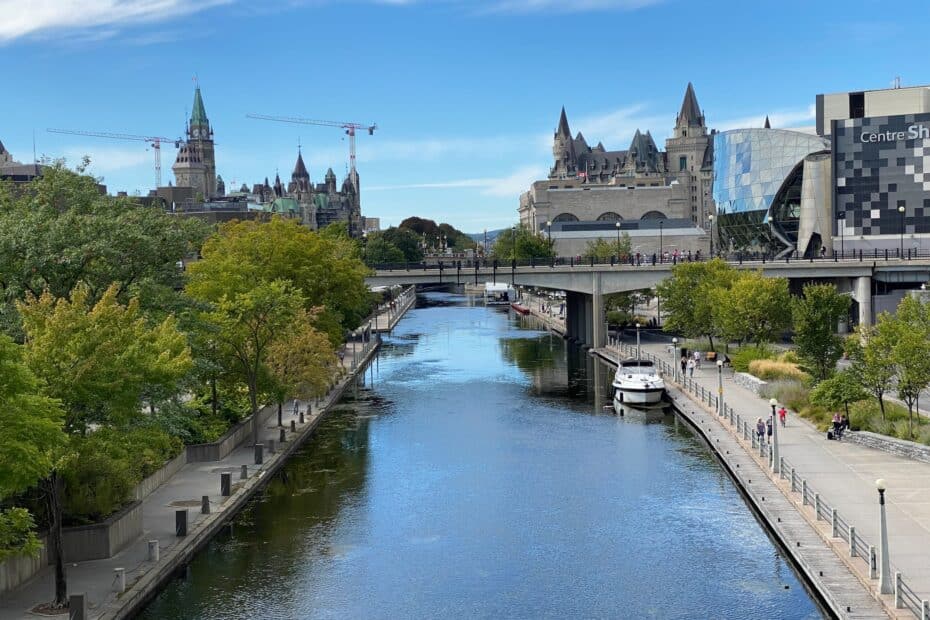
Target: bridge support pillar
{"type": "Point", "coordinates": [588, 314]}
{"type": "Point", "coordinates": [863, 295]}
{"type": "Point", "coordinates": [599, 329]}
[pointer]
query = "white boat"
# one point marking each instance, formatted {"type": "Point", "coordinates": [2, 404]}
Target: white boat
{"type": "Point", "coordinates": [499, 294]}
{"type": "Point", "coordinates": [637, 383]}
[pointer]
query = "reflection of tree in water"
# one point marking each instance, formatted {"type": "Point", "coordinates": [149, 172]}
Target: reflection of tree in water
{"type": "Point", "coordinates": [301, 503]}
{"type": "Point", "coordinates": [532, 354]}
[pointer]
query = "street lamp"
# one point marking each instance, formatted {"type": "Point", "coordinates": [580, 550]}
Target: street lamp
{"type": "Point", "coordinates": [841, 225]}
{"type": "Point", "coordinates": [774, 403]}
{"type": "Point", "coordinates": [617, 225]}
{"type": "Point", "coordinates": [720, 407]}
{"type": "Point", "coordinates": [901, 211]}
{"type": "Point", "coordinates": [638, 356]}
{"type": "Point", "coordinates": [884, 575]}
{"type": "Point", "coordinates": [661, 255]}
{"type": "Point", "coordinates": [710, 218]}
{"type": "Point", "coordinates": [513, 243]}
{"type": "Point", "coordinates": [675, 363]}
{"type": "Point", "coordinates": [549, 234]}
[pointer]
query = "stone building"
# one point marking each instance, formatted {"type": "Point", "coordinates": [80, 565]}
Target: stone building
{"type": "Point", "coordinates": [591, 184]}
{"type": "Point", "coordinates": [195, 166]}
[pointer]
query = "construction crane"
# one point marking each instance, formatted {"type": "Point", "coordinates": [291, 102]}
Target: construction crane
{"type": "Point", "coordinates": [350, 129]}
{"type": "Point", "coordinates": [154, 141]}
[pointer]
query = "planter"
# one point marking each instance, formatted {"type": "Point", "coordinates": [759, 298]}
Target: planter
{"type": "Point", "coordinates": [892, 445]}
{"type": "Point", "coordinates": [231, 439]}
{"type": "Point", "coordinates": [18, 569]}
{"type": "Point", "coordinates": [103, 540]}
{"type": "Point", "coordinates": [147, 486]}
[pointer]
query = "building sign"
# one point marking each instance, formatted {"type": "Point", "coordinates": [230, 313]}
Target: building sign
{"type": "Point", "coordinates": [880, 164]}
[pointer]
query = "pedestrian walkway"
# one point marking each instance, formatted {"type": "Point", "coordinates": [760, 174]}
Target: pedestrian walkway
{"type": "Point", "coordinates": [390, 313]}
{"type": "Point", "coordinates": [546, 310]}
{"type": "Point", "coordinates": [843, 474]}
{"type": "Point", "coordinates": [96, 579]}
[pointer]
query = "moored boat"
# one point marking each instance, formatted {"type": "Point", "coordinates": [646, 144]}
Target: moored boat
{"type": "Point", "coordinates": [636, 382]}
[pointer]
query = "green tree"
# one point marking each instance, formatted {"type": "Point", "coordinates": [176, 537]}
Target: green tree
{"type": "Point", "coordinates": [602, 249]}
{"type": "Point", "coordinates": [689, 297]}
{"type": "Point", "coordinates": [380, 251]}
{"type": "Point", "coordinates": [406, 241]}
{"type": "Point", "coordinates": [816, 315]}
{"type": "Point", "coordinates": [754, 308]}
{"type": "Point", "coordinates": [839, 390]}
{"type": "Point", "coordinates": [520, 243]}
{"type": "Point", "coordinates": [911, 354]}
{"type": "Point", "coordinates": [871, 353]}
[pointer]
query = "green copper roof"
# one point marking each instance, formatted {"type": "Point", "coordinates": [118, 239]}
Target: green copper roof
{"type": "Point", "coordinates": [198, 114]}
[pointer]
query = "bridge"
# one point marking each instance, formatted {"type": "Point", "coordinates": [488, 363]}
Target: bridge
{"type": "Point", "coordinates": [586, 283]}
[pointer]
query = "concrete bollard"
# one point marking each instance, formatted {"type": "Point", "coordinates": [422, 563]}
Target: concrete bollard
{"type": "Point", "coordinates": [259, 454]}
{"type": "Point", "coordinates": [283, 437]}
{"type": "Point", "coordinates": [180, 522]}
{"type": "Point", "coordinates": [154, 551]}
{"type": "Point", "coordinates": [77, 607]}
{"type": "Point", "coordinates": [244, 472]}
{"type": "Point", "coordinates": [873, 563]}
{"type": "Point", "coordinates": [852, 541]}
{"type": "Point", "coordinates": [293, 426]}
{"type": "Point", "coordinates": [271, 446]}
{"type": "Point", "coordinates": [205, 505]}
{"type": "Point", "coordinates": [225, 484]}
{"type": "Point", "coordinates": [119, 580]}
{"type": "Point", "coordinates": [301, 417]}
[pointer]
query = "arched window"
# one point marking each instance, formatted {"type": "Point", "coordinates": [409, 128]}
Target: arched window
{"type": "Point", "coordinates": [565, 217]}
{"type": "Point", "coordinates": [609, 216]}
{"type": "Point", "coordinates": [654, 215]}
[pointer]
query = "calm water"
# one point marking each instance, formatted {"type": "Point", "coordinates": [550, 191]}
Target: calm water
{"type": "Point", "coordinates": [478, 475]}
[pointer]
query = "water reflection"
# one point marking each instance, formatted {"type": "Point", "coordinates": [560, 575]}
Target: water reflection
{"type": "Point", "coordinates": [480, 473]}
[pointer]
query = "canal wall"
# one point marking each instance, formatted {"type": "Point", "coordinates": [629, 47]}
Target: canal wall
{"type": "Point", "coordinates": [150, 583]}
{"type": "Point", "coordinates": [837, 585]}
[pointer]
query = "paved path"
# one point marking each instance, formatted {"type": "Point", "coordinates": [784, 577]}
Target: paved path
{"type": "Point", "coordinates": [844, 474]}
{"type": "Point", "coordinates": [546, 310]}
{"type": "Point", "coordinates": [387, 317]}
{"type": "Point", "coordinates": [183, 490]}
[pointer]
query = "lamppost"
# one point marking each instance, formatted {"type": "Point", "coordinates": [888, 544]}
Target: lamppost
{"type": "Point", "coordinates": [513, 243]}
{"type": "Point", "coordinates": [549, 235]}
{"type": "Point", "coordinates": [638, 356]}
{"type": "Point", "coordinates": [661, 255]}
{"type": "Point", "coordinates": [675, 363]}
{"type": "Point", "coordinates": [901, 211]}
{"type": "Point", "coordinates": [884, 574]}
{"type": "Point", "coordinates": [774, 403]}
{"type": "Point", "coordinates": [710, 218]}
{"type": "Point", "coordinates": [617, 225]}
{"type": "Point", "coordinates": [841, 225]}
{"type": "Point", "coordinates": [720, 408]}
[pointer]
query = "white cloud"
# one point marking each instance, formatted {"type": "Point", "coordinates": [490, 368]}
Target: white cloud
{"type": "Point", "coordinates": [42, 16]}
{"type": "Point", "coordinates": [510, 185]}
{"type": "Point", "coordinates": [781, 119]}
{"type": "Point", "coordinates": [105, 159]}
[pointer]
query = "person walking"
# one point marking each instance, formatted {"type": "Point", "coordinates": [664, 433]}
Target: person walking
{"type": "Point", "coordinates": [691, 367]}
{"type": "Point", "coordinates": [684, 364]}
{"type": "Point", "coordinates": [844, 423]}
{"type": "Point", "coordinates": [760, 430]}
{"type": "Point", "coordinates": [782, 414]}
{"type": "Point", "coordinates": [697, 360]}
{"type": "Point", "coordinates": [837, 426]}
{"type": "Point", "coordinates": [768, 429]}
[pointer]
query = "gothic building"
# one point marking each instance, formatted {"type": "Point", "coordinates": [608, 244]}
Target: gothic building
{"type": "Point", "coordinates": [640, 183]}
{"type": "Point", "coordinates": [195, 166]}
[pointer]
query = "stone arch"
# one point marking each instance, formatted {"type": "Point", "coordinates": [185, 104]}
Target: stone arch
{"type": "Point", "coordinates": [654, 215]}
{"type": "Point", "coordinates": [565, 217]}
{"type": "Point", "coordinates": [609, 216]}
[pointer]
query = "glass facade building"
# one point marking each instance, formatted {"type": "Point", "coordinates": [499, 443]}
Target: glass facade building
{"type": "Point", "coordinates": [758, 175]}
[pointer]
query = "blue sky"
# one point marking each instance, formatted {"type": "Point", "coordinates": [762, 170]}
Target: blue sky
{"type": "Point", "coordinates": [466, 93]}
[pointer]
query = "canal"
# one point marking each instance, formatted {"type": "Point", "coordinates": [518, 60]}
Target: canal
{"type": "Point", "coordinates": [479, 475]}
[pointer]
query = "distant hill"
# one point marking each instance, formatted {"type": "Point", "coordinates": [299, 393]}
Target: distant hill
{"type": "Point", "coordinates": [492, 235]}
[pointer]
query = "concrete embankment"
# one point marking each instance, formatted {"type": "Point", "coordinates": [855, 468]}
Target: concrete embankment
{"type": "Point", "coordinates": [826, 573]}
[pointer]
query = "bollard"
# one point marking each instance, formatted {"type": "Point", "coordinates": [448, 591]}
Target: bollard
{"type": "Point", "coordinates": [154, 551]}
{"type": "Point", "coordinates": [180, 522]}
{"type": "Point", "coordinates": [302, 417]}
{"type": "Point", "coordinates": [259, 453]}
{"type": "Point", "coordinates": [119, 580]}
{"type": "Point", "coordinates": [225, 484]}
{"type": "Point", "coordinates": [834, 524]}
{"type": "Point", "coordinates": [244, 472]}
{"type": "Point", "coordinates": [270, 444]}
{"type": "Point", "coordinates": [205, 505]}
{"type": "Point", "coordinates": [873, 563]}
{"type": "Point", "coordinates": [293, 426]}
{"type": "Point", "coordinates": [77, 607]}
{"type": "Point", "coordinates": [852, 541]}
{"type": "Point", "coordinates": [283, 436]}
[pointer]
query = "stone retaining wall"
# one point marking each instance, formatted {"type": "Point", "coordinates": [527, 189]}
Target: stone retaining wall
{"type": "Point", "coordinates": [750, 382]}
{"type": "Point", "coordinates": [899, 447]}
{"type": "Point", "coordinates": [145, 488]}
{"type": "Point", "coordinates": [103, 540]}
{"type": "Point", "coordinates": [220, 449]}
{"type": "Point", "coordinates": [18, 569]}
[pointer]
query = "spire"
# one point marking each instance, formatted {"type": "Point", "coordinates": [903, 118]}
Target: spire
{"type": "Point", "coordinates": [198, 113]}
{"type": "Point", "coordinates": [690, 114]}
{"type": "Point", "coordinates": [768, 125]}
{"type": "Point", "coordinates": [300, 169]}
{"type": "Point", "coordinates": [563, 129]}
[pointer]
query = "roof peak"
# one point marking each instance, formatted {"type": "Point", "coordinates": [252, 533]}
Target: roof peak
{"type": "Point", "coordinates": [563, 129]}
{"type": "Point", "coordinates": [767, 125]}
{"type": "Point", "coordinates": [300, 169]}
{"type": "Point", "coordinates": [198, 112]}
{"type": "Point", "coordinates": [690, 113]}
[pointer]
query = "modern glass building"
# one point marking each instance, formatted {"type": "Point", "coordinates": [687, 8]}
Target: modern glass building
{"type": "Point", "coordinates": [759, 182]}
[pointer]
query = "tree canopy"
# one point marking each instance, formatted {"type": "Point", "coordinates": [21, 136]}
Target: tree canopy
{"type": "Point", "coordinates": [690, 295]}
{"type": "Point", "coordinates": [520, 243]}
{"type": "Point", "coordinates": [602, 249]}
{"type": "Point", "coordinates": [816, 315]}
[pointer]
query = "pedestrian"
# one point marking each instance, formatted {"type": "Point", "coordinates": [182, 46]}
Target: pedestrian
{"type": "Point", "coordinates": [691, 367]}
{"type": "Point", "coordinates": [684, 364]}
{"type": "Point", "coordinates": [768, 429]}
{"type": "Point", "coordinates": [760, 430]}
{"type": "Point", "coordinates": [844, 423]}
{"type": "Point", "coordinates": [782, 414]}
{"type": "Point", "coordinates": [823, 251]}
{"type": "Point", "coordinates": [697, 360]}
{"type": "Point", "coordinates": [837, 426]}
{"type": "Point", "coordinates": [697, 255]}
{"type": "Point", "coordinates": [296, 407]}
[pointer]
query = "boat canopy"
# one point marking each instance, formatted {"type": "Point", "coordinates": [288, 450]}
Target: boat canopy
{"type": "Point", "coordinates": [630, 363]}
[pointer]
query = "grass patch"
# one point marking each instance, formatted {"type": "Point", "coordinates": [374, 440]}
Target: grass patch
{"type": "Point", "coordinates": [773, 370]}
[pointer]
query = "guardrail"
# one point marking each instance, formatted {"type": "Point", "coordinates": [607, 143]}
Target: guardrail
{"type": "Point", "coordinates": [904, 596]}
{"type": "Point", "coordinates": [734, 258]}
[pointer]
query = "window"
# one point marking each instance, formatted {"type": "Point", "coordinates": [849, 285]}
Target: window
{"type": "Point", "coordinates": [856, 105]}
{"type": "Point", "coordinates": [683, 162]}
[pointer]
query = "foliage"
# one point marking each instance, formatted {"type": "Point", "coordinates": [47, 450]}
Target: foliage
{"type": "Point", "coordinates": [619, 317]}
{"type": "Point", "coordinates": [379, 251]}
{"type": "Point", "coordinates": [17, 534]}
{"type": "Point", "coordinates": [326, 271]}
{"type": "Point", "coordinates": [911, 353]}
{"type": "Point", "coordinates": [520, 243]}
{"type": "Point", "coordinates": [99, 359]}
{"type": "Point", "coordinates": [838, 391]}
{"type": "Point", "coordinates": [816, 315]}
{"type": "Point", "coordinates": [871, 353]}
{"type": "Point", "coordinates": [30, 423]}
{"type": "Point", "coordinates": [602, 249]}
{"type": "Point", "coordinates": [689, 295]}
{"type": "Point", "coordinates": [771, 370]}
{"type": "Point", "coordinates": [753, 308]}
{"type": "Point", "coordinates": [404, 240]}
{"type": "Point", "coordinates": [431, 233]}
{"type": "Point", "coordinates": [301, 362]}
{"type": "Point", "coordinates": [791, 393]}
{"type": "Point", "coordinates": [748, 354]}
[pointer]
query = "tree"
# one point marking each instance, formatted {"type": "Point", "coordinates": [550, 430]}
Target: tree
{"type": "Point", "coordinates": [689, 295]}
{"type": "Point", "coordinates": [379, 251]}
{"type": "Point", "coordinates": [816, 315]}
{"type": "Point", "coordinates": [520, 243]}
{"type": "Point", "coordinates": [839, 390]}
{"type": "Point", "coordinates": [754, 308]}
{"type": "Point", "coordinates": [247, 323]}
{"type": "Point", "coordinates": [404, 240]}
{"type": "Point", "coordinates": [602, 249]}
{"type": "Point", "coordinates": [871, 353]}
{"type": "Point", "coordinates": [911, 353]}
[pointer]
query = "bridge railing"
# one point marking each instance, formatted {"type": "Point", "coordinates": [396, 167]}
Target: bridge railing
{"type": "Point", "coordinates": [904, 596]}
{"type": "Point", "coordinates": [654, 259]}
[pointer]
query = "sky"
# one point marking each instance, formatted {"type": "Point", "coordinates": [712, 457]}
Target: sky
{"type": "Point", "coordinates": [466, 93]}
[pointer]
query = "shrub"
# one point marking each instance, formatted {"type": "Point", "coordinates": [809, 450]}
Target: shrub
{"type": "Point", "coordinates": [17, 534]}
{"type": "Point", "coordinates": [789, 356]}
{"type": "Point", "coordinates": [772, 370]}
{"type": "Point", "coordinates": [748, 354]}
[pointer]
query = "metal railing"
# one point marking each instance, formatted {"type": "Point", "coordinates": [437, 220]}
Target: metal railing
{"type": "Point", "coordinates": [904, 595]}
